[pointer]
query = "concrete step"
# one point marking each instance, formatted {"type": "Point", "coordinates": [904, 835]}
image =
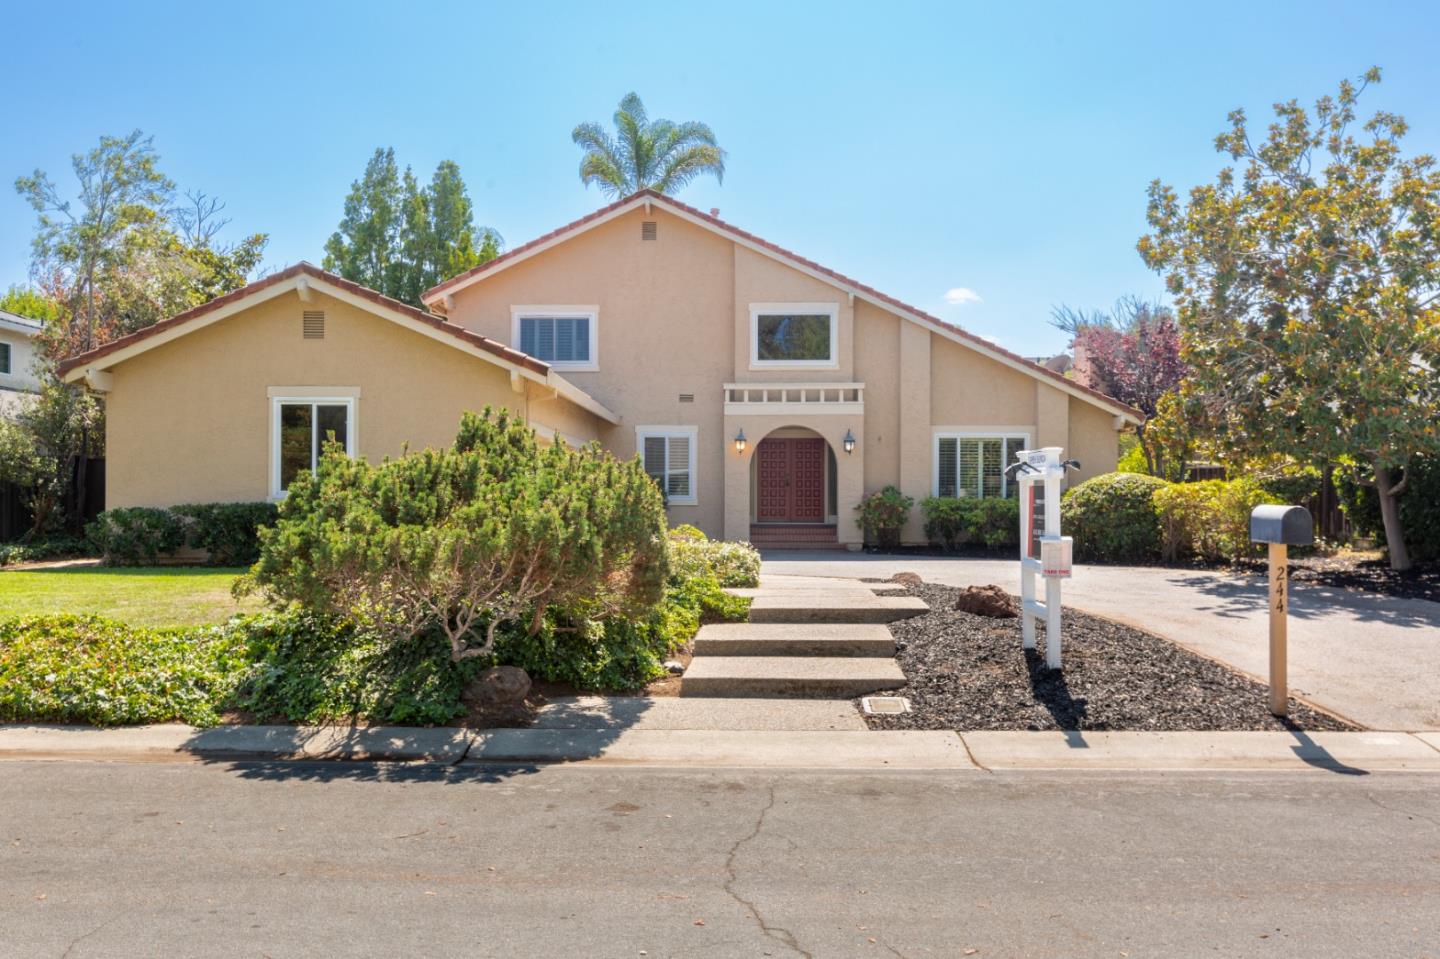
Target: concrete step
{"type": "Point", "coordinates": [837, 677]}
{"type": "Point", "coordinates": [794, 606]}
{"type": "Point", "coordinates": [794, 639]}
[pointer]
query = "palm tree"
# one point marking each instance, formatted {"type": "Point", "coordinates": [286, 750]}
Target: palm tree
{"type": "Point", "coordinates": [645, 155]}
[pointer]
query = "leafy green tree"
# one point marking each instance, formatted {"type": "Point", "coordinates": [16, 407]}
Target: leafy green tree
{"type": "Point", "coordinates": [643, 154]}
{"type": "Point", "coordinates": [493, 531]}
{"type": "Point", "coordinates": [1308, 291]}
{"type": "Point", "coordinates": [30, 302]}
{"type": "Point", "coordinates": [42, 449]}
{"type": "Point", "coordinates": [401, 238]}
{"type": "Point", "coordinates": [118, 257]}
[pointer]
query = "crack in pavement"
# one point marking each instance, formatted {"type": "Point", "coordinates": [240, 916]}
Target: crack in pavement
{"type": "Point", "coordinates": [778, 933]}
{"type": "Point", "coordinates": [1402, 812]}
{"type": "Point", "coordinates": [79, 939]}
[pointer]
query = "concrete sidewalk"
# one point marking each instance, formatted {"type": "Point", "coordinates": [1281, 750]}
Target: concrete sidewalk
{"type": "Point", "coordinates": [769, 749]}
{"type": "Point", "coordinates": [1372, 658]}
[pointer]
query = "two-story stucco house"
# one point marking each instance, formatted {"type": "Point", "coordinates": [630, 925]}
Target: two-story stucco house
{"type": "Point", "coordinates": [766, 393]}
{"type": "Point", "coordinates": [18, 382]}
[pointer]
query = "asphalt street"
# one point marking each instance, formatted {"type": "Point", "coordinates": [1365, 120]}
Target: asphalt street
{"type": "Point", "coordinates": [338, 859]}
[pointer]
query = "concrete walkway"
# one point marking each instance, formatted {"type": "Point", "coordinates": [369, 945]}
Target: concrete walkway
{"type": "Point", "coordinates": [1372, 658]}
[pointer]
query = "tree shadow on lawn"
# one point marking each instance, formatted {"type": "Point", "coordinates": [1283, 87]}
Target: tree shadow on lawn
{"type": "Point", "coordinates": [1244, 595]}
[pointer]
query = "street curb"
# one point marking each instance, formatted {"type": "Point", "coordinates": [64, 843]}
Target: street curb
{"type": "Point", "coordinates": [1358, 752]}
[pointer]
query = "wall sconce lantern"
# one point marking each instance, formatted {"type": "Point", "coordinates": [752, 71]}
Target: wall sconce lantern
{"type": "Point", "coordinates": [849, 442]}
{"type": "Point", "coordinates": [740, 441]}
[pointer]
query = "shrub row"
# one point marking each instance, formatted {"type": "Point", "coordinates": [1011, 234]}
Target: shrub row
{"type": "Point", "coordinates": [991, 521]}
{"type": "Point", "coordinates": [140, 535]}
{"type": "Point", "coordinates": [1133, 518]}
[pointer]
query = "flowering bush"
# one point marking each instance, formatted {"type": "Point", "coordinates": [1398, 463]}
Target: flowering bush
{"type": "Point", "coordinates": [694, 555]}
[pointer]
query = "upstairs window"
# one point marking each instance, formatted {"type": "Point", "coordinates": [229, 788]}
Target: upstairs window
{"type": "Point", "coordinates": [562, 337]}
{"type": "Point", "coordinates": [668, 454]}
{"type": "Point", "coordinates": [5, 362]}
{"type": "Point", "coordinates": [793, 334]}
{"type": "Point", "coordinates": [970, 465]}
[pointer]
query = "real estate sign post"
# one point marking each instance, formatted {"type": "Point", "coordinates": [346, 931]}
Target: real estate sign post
{"type": "Point", "coordinates": [1043, 551]}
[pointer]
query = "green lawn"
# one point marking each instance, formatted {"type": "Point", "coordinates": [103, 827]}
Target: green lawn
{"type": "Point", "coordinates": [166, 596]}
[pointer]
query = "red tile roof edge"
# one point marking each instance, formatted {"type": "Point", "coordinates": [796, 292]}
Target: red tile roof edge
{"type": "Point", "coordinates": [309, 269]}
{"type": "Point", "coordinates": [736, 231]}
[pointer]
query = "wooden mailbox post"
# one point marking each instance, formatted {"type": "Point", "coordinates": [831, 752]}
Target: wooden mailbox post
{"type": "Point", "coordinates": [1281, 527]}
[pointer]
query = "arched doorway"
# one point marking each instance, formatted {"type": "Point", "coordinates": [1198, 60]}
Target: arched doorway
{"type": "Point", "coordinates": [793, 478]}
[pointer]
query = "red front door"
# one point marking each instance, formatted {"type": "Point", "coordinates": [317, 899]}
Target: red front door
{"type": "Point", "coordinates": [790, 476]}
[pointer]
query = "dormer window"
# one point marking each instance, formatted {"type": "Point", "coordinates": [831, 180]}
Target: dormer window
{"type": "Point", "coordinates": [793, 335]}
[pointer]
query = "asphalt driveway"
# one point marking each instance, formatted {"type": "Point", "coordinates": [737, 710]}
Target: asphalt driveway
{"type": "Point", "coordinates": [1374, 659]}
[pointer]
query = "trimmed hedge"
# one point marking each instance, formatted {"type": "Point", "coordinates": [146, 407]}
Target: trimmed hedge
{"type": "Point", "coordinates": [140, 535]}
{"type": "Point", "coordinates": [953, 521]}
{"type": "Point", "coordinates": [1112, 518]}
{"type": "Point", "coordinates": [1209, 520]}
{"type": "Point", "coordinates": [86, 669]}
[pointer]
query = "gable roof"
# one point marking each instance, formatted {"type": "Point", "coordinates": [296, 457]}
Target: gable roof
{"type": "Point", "coordinates": [23, 325]}
{"type": "Point", "coordinates": [304, 277]}
{"type": "Point", "coordinates": [437, 296]}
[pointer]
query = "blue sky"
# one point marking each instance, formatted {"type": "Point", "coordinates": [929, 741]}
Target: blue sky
{"type": "Point", "coordinates": [998, 148]}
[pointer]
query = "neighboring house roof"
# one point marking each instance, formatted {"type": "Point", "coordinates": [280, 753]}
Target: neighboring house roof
{"type": "Point", "coordinates": [439, 294]}
{"type": "Point", "coordinates": [20, 324]}
{"type": "Point", "coordinates": [303, 277]}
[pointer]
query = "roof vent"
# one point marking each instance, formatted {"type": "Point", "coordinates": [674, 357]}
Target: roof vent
{"type": "Point", "coordinates": [313, 325]}
{"type": "Point", "coordinates": [687, 397]}
{"type": "Point", "coordinates": [647, 230]}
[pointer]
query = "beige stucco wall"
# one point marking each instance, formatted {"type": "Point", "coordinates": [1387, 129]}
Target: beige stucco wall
{"type": "Point", "coordinates": [674, 318]}
{"type": "Point", "coordinates": [21, 377]}
{"type": "Point", "coordinates": [1094, 441]}
{"type": "Point", "coordinates": [190, 421]}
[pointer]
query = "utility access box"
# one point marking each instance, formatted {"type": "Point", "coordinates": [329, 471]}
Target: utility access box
{"type": "Point", "coordinates": [1288, 525]}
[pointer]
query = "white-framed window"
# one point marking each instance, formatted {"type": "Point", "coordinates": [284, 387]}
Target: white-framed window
{"type": "Point", "coordinates": [973, 462]}
{"type": "Point", "coordinates": [668, 453]}
{"type": "Point", "coordinates": [301, 422]}
{"type": "Point", "coordinates": [566, 337]}
{"type": "Point", "coordinates": [794, 335]}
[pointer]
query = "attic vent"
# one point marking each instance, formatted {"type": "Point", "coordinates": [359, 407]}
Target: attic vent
{"type": "Point", "coordinates": [313, 325]}
{"type": "Point", "coordinates": [647, 229]}
{"type": "Point", "coordinates": [687, 397]}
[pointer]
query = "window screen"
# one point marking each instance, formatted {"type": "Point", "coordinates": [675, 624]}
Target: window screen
{"type": "Point", "coordinates": [305, 428]}
{"type": "Point", "coordinates": [5, 358]}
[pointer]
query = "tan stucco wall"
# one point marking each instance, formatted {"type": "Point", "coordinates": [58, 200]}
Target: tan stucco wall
{"type": "Point", "coordinates": [674, 318]}
{"type": "Point", "coordinates": [22, 360]}
{"type": "Point", "coordinates": [190, 421]}
{"type": "Point", "coordinates": [1094, 441]}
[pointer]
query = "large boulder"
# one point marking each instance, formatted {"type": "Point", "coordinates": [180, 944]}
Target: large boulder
{"type": "Point", "coordinates": [990, 601]}
{"type": "Point", "coordinates": [499, 687]}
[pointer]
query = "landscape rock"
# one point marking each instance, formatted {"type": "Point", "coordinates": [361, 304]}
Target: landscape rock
{"type": "Point", "coordinates": [673, 667]}
{"type": "Point", "coordinates": [990, 601]}
{"type": "Point", "coordinates": [499, 687]}
{"type": "Point", "coordinates": [907, 578]}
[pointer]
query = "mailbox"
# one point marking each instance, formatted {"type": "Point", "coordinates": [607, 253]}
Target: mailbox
{"type": "Point", "coordinates": [1287, 525]}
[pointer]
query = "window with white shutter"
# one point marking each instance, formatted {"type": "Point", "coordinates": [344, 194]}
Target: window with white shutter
{"type": "Point", "coordinates": [668, 454]}
{"type": "Point", "coordinates": [563, 336]}
{"type": "Point", "coordinates": [971, 464]}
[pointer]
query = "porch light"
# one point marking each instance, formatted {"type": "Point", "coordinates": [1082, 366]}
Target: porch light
{"type": "Point", "coordinates": [740, 440]}
{"type": "Point", "coordinates": [849, 442]}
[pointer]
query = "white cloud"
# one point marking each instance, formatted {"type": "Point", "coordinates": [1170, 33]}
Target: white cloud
{"type": "Point", "coordinates": [961, 295]}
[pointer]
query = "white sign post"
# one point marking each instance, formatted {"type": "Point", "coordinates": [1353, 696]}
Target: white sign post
{"type": "Point", "coordinates": [1043, 551]}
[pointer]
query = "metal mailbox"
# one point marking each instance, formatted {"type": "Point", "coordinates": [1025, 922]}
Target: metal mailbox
{"type": "Point", "coordinates": [1290, 525]}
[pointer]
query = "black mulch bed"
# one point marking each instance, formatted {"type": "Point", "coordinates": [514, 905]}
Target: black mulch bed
{"type": "Point", "coordinates": [1370, 575]}
{"type": "Point", "coordinates": [970, 673]}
